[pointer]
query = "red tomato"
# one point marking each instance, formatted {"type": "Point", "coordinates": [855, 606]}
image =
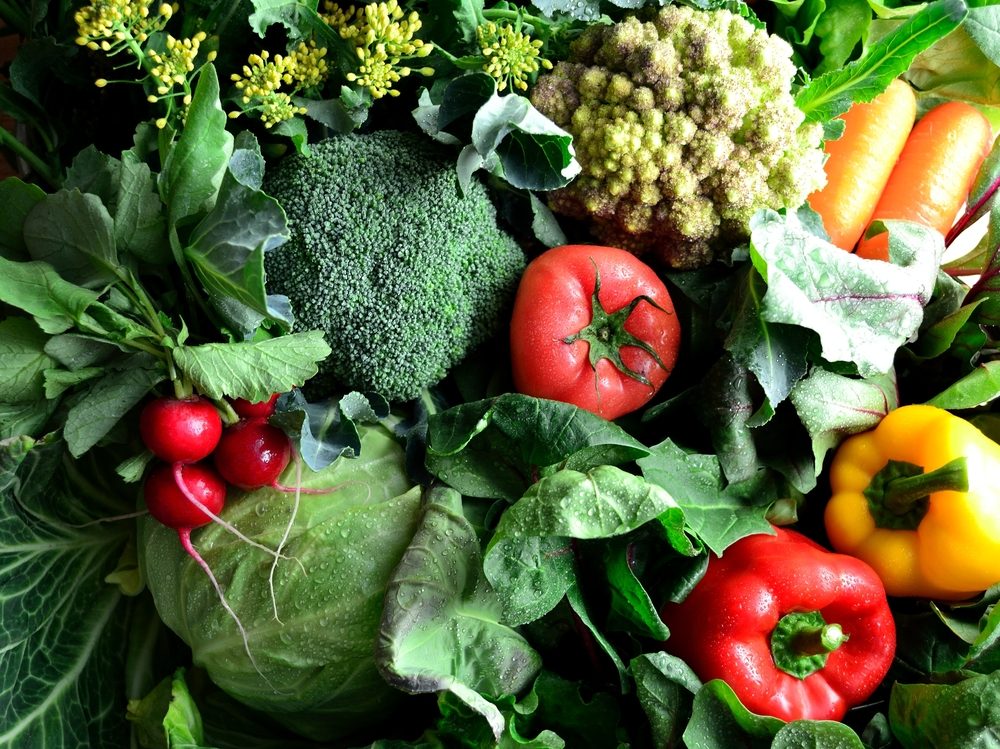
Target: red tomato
{"type": "Point", "coordinates": [571, 344]}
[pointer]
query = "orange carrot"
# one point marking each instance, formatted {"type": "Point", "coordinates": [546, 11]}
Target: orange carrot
{"type": "Point", "coordinates": [934, 174]}
{"type": "Point", "coordinates": [859, 163]}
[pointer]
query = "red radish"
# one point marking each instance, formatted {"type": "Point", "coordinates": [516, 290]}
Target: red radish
{"type": "Point", "coordinates": [253, 410]}
{"type": "Point", "coordinates": [252, 453]}
{"type": "Point", "coordinates": [169, 503]}
{"type": "Point", "coordinates": [184, 497]}
{"type": "Point", "coordinates": [180, 430]}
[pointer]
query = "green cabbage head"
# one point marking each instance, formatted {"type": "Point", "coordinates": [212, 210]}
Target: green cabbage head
{"type": "Point", "coordinates": [317, 668]}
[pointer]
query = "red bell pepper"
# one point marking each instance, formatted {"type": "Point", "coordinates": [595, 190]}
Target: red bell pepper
{"type": "Point", "coordinates": [798, 632]}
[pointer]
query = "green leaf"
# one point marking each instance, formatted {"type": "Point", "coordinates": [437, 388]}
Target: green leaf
{"type": "Point", "coordinates": [831, 94]}
{"type": "Point", "coordinates": [718, 513]}
{"type": "Point", "coordinates": [862, 310]}
{"type": "Point", "coordinates": [327, 430]}
{"type": "Point", "coordinates": [226, 249]}
{"type": "Point", "coordinates": [17, 198]}
{"type": "Point", "coordinates": [980, 386]}
{"type": "Point", "coordinates": [36, 288]}
{"type": "Point", "coordinates": [582, 10]}
{"type": "Point", "coordinates": [956, 68]}
{"type": "Point", "coordinates": [665, 686]}
{"type": "Point", "coordinates": [139, 221]}
{"type": "Point", "coordinates": [24, 419]}
{"type": "Point", "coordinates": [74, 233]}
{"type": "Point", "coordinates": [441, 629]}
{"type": "Point", "coordinates": [719, 720]}
{"type": "Point", "coordinates": [832, 407]}
{"type": "Point", "coordinates": [63, 626]}
{"type": "Point", "coordinates": [498, 447]}
{"type": "Point", "coordinates": [816, 734]}
{"type": "Point", "coordinates": [195, 164]}
{"type": "Point", "coordinates": [297, 16]}
{"type": "Point", "coordinates": [924, 715]}
{"type": "Point", "coordinates": [108, 399]}
{"type": "Point", "coordinates": [253, 370]}
{"type": "Point", "coordinates": [530, 575]}
{"type": "Point", "coordinates": [23, 361]}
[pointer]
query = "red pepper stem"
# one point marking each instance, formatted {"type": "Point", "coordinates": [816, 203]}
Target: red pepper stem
{"type": "Point", "coordinates": [802, 640]}
{"type": "Point", "coordinates": [901, 493]}
{"type": "Point", "coordinates": [818, 640]}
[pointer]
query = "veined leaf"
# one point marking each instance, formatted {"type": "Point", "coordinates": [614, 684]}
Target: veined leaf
{"type": "Point", "coordinates": [61, 625]}
{"type": "Point", "coordinates": [35, 287]}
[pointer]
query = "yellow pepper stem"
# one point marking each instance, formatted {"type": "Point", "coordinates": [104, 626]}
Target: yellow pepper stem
{"type": "Point", "coordinates": [899, 493]}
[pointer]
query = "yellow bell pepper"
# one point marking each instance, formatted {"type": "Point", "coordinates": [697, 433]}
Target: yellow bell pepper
{"type": "Point", "coordinates": [918, 499]}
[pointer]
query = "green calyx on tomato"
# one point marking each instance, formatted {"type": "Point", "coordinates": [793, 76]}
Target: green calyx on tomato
{"type": "Point", "coordinates": [605, 334]}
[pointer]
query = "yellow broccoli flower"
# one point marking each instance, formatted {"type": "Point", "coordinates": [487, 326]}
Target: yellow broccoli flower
{"type": "Point", "coordinates": [110, 25]}
{"type": "Point", "coordinates": [511, 55]}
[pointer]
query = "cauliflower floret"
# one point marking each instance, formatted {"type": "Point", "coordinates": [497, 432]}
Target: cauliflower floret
{"type": "Point", "coordinates": [684, 126]}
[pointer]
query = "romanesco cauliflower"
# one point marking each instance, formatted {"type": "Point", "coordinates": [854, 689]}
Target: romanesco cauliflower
{"type": "Point", "coordinates": [684, 125]}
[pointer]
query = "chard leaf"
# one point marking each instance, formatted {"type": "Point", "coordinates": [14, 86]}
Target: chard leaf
{"type": "Point", "coordinates": [17, 198]}
{"type": "Point", "coordinates": [718, 513]}
{"type": "Point", "coordinates": [74, 233]}
{"type": "Point", "coordinates": [862, 310]}
{"type": "Point", "coordinates": [108, 399]}
{"type": "Point", "coordinates": [253, 370]}
{"type": "Point", "coordinates": [196, 163]}
{"type": "Point", "coordinates": [227, 247]}
{"type": "Point", "coordinates": [497, 447]}
{"type": "Point", "coordinates": [62, 625]}
{"type": "Point", "coordinates": [23, 361]}
{"type": "Point", "coordinates": [832, 93]}
{"type": "Point", "coordinates": [441, 629]}
{"type": "Point", "coordinates": [832, 407]}
{"type": "Point", "coordinates": [980, 386]}
{"type": "Point", "coordinates": [56, 304]}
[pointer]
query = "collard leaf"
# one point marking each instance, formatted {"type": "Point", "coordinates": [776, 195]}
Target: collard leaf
{"type": "Point", "coordinates": [327, 430]}
{"type": "Point", "coordinates": [253, 370]}
{"type": "Point", "coordinates": [498, 447]}
{"type": "Point", "coordinates": [74, 233]}
{"type": "Point", "coordinates": [775, 353]}
{"type": "Point", "coordinates": [719, 513]}
{"type": "Point", "coordinates": [62, 625]}
{"type": "Point", "coordinates": [196, 163]}
{"type": "Point", "coordinates": [862, 310]}
{"type": "Point", "coordinates": [23, 361]}
{"type": "Point", "coordinates": [17, 198]}
{"type": "Point", "coordinates": [831, 94]}
{"type": "Point", "coordinates": [56, 304]}
{"type": "Point", "coordinates": [832, 407]}
{"type": "Point", "coordinates": [227, 247]}
{"type": "Point", "coordinates": [440, 627]}
{"type": "Point", "coordinates": [108, 399]}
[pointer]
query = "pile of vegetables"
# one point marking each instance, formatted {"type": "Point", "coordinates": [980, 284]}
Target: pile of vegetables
{"type": "Point", "coordinates": [567, 373]}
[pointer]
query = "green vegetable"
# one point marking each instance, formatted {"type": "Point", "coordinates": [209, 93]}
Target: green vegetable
{"type": "Point", "coordinates": [317, 667]}
{"type": "Point", "coordinates": [403, 272]}
{"type": "Point", "coordinates": [685, 126]}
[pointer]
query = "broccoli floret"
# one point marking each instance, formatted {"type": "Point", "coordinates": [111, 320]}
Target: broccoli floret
{"type": "Point", "coordinates": [403, 272]}
{"type": "Point", "coordinates": [685, 126]}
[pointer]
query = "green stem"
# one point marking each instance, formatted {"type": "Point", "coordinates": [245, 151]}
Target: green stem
{"type": "Point", "coordinates": [902, 492]}
{"type": "Point", "coordinates": [801, 642]}
{"type": "Point", "coordinates": [43, 170]}
{"type": "Point", "coordinates": [818, 640]}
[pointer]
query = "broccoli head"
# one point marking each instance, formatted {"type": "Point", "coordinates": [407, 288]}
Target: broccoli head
{"type": "Point", "coordinates": [403, 272]}
{"type": "Point", "coordinates": [684, 126]}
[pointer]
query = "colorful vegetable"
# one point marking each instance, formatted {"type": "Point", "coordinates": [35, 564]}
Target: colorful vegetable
{"type": "Point", "coordinates": [410, 274]}
{"type": "Point", "coordinates": [168, 502]}
{"type": "Point", "coordinates": [684, 126]}
{"type": "Point", "coordinates": [592, 326]}
{"type": "Point", "coordinates": [859, 162]}
{"type": "Point", "coordinates": [260, 409]}
{"type": "Point", "coordinates": [796, 631]}
{"type": "Point", "coordinates": [180, 430]}
{"type": "Point", "coordinates": [917, 499]}
{"type": "Point", "coordinates": [252, 453]}
{"type": "Point", "coordinates": [932, 178]}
